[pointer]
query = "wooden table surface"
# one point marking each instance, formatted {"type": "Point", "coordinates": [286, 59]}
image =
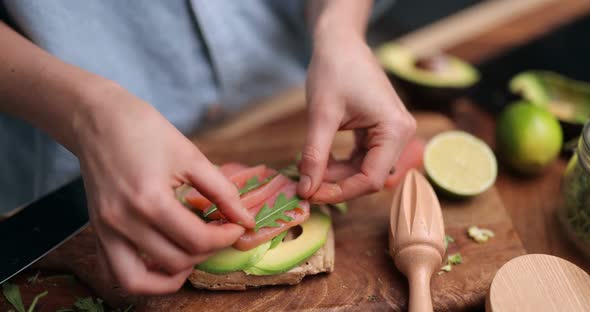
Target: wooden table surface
{"type": "Point", "coordinates": [531, 202]}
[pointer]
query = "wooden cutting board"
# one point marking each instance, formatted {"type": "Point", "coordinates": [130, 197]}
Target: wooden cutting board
{"type": "Point", "coordinates": [365, 277]}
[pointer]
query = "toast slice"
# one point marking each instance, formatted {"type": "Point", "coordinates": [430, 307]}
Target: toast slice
{"type": "Point", "coordinates": [321, 262]}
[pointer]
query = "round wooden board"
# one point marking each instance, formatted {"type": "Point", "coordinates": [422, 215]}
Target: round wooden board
{"type": "Point", "coordinates": [538, 282]}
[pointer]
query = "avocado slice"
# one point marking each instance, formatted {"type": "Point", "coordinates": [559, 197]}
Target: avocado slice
{"type": "Point", "coordinates": [290, 254]}
{"type": "Point", "coordinates": [231, 260]}
{"type": "Point", "coordinates": [567, 99]}
{"type": "Point", "coordinates": [440, 71]}
{"type": "Point", "coordinates": [427, 83]}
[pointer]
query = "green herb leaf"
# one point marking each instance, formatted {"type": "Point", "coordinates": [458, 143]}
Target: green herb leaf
{"type": "Point", "coordinates": [35, 300]}
{"type": "Point", "coordinates": [277, 240]}
{"type": "Point", "coordinates": [12, 294]}
{"type": "Point", "coordinates": [291, 172]}
{"type": "Point", "coordinates": [250, 185]}
{"type": "Point", "coordinates": [448, 239]}
{"type": "Point", "coordinates": [342, 207]}
{"type": "Point", "coordinates": [34, 279]}
{"type": "Point", "coordinates": [269, 217]}
{"type": "Point", "coordinates": [88, 305]}
{"type": "Point", "coordinates": [128, 308]}
{"type": "Point", "coordinates": [455, 259]}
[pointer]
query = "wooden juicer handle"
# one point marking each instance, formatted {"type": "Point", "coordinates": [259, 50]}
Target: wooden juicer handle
{"type": "Point", "coordinates": [417, 237]}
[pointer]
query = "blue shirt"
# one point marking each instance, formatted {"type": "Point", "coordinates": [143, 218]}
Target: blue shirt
{"type": "Point", "coordinates": [178, 55]}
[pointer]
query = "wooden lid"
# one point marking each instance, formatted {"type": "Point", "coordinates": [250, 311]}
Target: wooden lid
{"type": "Point", "coordinates": [538, 283]}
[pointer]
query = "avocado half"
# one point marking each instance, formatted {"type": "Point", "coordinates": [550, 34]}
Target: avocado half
{"type": "Point", "coordinates": [427, 82]}
{"type": "Point", "coordinates": [567, 99]}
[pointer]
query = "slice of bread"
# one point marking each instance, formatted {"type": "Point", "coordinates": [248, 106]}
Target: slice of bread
{"type": "Point", "coordinates": [322, 261]}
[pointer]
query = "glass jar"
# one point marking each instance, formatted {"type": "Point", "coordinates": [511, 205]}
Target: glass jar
{"type": "Point", "coordinates": [574, 212]}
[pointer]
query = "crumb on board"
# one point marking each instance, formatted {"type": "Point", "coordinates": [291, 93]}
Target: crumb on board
{"type": "Point", "coordinates": [480, 235]}
{"type": "Point", "coordinates": [371, 298]}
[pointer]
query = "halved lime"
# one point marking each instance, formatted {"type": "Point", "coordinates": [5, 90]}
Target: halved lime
{"type": "Point", "coordinates": [459, 163]}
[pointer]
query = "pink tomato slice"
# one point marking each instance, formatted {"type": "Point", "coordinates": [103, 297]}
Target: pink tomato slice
{"type": "Point", "coordinates": [259, 195]}
{"type": "Point", "coordinates": [230, 169]}
{"type": "Point", "coordinates": [252, 239]}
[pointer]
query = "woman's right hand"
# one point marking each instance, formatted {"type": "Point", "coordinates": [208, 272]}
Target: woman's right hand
{"type": "Point", "coordinates": [132, 159]}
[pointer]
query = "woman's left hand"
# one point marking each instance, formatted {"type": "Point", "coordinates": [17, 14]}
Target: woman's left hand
{"type": "Point", "coordinates": [348, 90]}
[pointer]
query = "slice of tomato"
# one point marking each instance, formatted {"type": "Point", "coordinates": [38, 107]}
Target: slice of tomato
{"type": "Point", "coordinates": [200, 202]}
{"type": "Point", "coordinates": [261, 194]}
{"type": "Point", "coordinates": [229, 169]}
{"type": "Point", "coordinates": [252, 198]}
{"type": "Point", "coordinates": [241, 177]}
{"type": "Point", "coordinates": [288, 190]}
{"type": "Point", "coordinates": [411, 157]}
{"type": "Point", "coordinates": [252, 239]}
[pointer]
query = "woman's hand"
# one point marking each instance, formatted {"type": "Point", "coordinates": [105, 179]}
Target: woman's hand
{"type": "Point", "coordinates": [348, 90]}
{"type": "Point", "coordinates": [131, 160]}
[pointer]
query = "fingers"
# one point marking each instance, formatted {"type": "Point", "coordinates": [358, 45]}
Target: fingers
{"type": "Point", "coordinates": [131, 272]}
{"type": "Point", "coordinates": [339, 170]}
{"type": "Point", "coordinates": [164, 253]}
{"type": "Point", "coordinates": [379, 159]}
{"type": "Point", "coordinates": [191, 233]}
{"type": "Point", "coordinates": [314, 157]}
{"type": "Point", "coordinates": [206, 178]}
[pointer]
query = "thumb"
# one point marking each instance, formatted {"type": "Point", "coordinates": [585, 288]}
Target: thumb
{"type": "Point", "coordinates": [316, 152]}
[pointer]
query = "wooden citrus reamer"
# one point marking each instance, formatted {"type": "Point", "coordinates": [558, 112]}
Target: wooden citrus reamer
{"type": "Point", "coordinates": [417, 237]}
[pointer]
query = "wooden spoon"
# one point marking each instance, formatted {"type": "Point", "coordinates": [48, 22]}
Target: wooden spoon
{"type": "Point", "coordinates": [539, 283]}
{"type": "Point", "coordinates": [417, 237]}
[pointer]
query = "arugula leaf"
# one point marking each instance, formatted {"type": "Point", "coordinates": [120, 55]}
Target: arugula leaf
{"type": "Point", "coordinates": [455, 259]}
{"type": "Point", "coordinates": [35, 300]}
{"type": "Point", "coordinates": [34, 279]}
{"type": "Point", "coordinates": [88, 305]}
{"type": "Point", "coordinates": [291, 172]}
{"type": "Point", "coordinates": [277, 240]}
{"type": "Point", "coordinates": [250, 185]}
{"type": "Point", "coordinates": [269, 217]}
{"type": "Point", "coordinates": [448, 239]}
{"type": "Point", "coordinates": [12, 294]}
{"type": "Point", "coordinates": [342, 207]}
{"type": "Point", "coordinates": [129, 308]}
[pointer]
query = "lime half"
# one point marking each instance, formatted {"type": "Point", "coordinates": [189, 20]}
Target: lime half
{"type": "Point", "coordinates": [459, 163]}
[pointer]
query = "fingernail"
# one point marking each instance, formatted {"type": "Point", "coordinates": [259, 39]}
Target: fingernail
{"type": "Point", "coordinates": [304, 185]}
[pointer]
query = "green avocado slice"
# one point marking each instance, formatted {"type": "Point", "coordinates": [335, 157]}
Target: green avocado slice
{"type": "Point", "coordinates": [231, 260]}
{"type": "Point", "coordinates": [565, 98]}
{"type": "Point", "coordinates": [290, 254]}
{"type": "Point", "coordinates": [403, 63]}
